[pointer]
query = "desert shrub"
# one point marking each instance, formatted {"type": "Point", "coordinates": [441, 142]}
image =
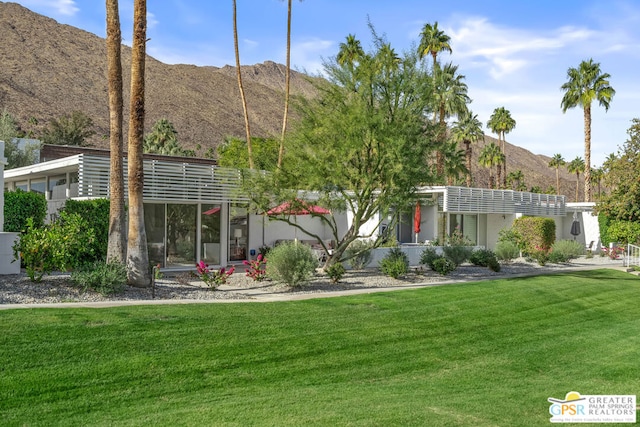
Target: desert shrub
{"type": "Point", "coordinates": [457, 254]}
{"type": "Point", "coordinates": [556, 257]}
{"type": "Point", "coordinates": [494, 265]}
{"type": "Point", "coordinates": [509, 235]}
{"type": "Point", "coordinates": [359, 254]}
{"type": "Point", "coordinates": [107, 279]}
{"type": "Point", "coordinates": [20, 205]}
{"type": "Point", "coordinates": [291, 263]}
{"type": "Point", "coordinates": [624, 232]}
{"type": "Point", "coordinates": [566, 250]}
{"type": "Point", "coordinates": [64, 244]}
{"type": "Point", "coordinates": [395, 263]}
{"type": "Point", "coordinates": [482, 257]}
{"type": "Point", "coordinates": [536, 233]}
{"type": "Point", "coordinates": [507, 251]}
{"type": "Point", "coordinates": [429, 255]}
{"type": "Point", "coordinates": [96, 214]}
{"type": "Point", "coordinates": [335, 272]}
{"type": "Point", "coordinates": [444, 266]}
{"type": "Point", "coordinates": [539, 255]}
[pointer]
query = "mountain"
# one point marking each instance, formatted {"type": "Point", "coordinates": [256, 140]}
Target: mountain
{"type": "Point", "coordinates": [50, 69]}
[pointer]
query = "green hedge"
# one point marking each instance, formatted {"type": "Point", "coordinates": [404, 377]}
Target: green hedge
{"type": "Point", "coordinates": [535, 233]}
{"type": "Point", "coordinates": [96, 213]}
{"type": "Point", "coordinates": [623, 232]}
{"type": "Point", "coordinates": [603, 224]}
{"type": "Point", "coordinates": [20, 205]}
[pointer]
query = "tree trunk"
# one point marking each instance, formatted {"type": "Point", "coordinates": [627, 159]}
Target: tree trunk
{"type": "Point", "coordinates": [138, 272]}
{"type": "Point", "coordinates": [587, 153]}
{"type": "Point", "coordinates": [498, 174]}
{"type": "Point", "coordinates": [116, 247]}
{"type": "Point", "coordinates": [558, 179]}
{"type": "Point", "coordinates": [442, 135]}
{"type": "Point", "coordinates": [241, 88]}
{"type": "Point", "coordinates": [504, 165]}
{"type": "Point", "coordinates": [286, 87]}
{"type": "Point", "coordinates": [577, 185]}
{"type": "Point", "coordinates": [468, 153]}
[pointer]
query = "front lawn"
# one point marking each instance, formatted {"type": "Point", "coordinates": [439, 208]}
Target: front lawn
{"type": "Point", "coordinates": [481, 354]}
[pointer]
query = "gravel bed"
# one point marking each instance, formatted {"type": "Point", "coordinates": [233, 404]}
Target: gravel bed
{"type": "Point", "coordinates": [57, 288]}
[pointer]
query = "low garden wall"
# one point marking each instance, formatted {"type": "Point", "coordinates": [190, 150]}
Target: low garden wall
{"type": "Point", "coordinates": [413, 251]}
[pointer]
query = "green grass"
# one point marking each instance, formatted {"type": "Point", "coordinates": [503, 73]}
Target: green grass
{"type": "Point", "coordinates": [481, 354]}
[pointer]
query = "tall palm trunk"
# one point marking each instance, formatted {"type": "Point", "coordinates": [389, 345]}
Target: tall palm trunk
{"type": "Point", "coordinates": [587, 152]}
{"type": "Point", "coordinates": [116, 247]}
{"type": "Point", "coordinates": [442, 135]}
{"type": "Point", "coordinates": [138, 273]}
{"type": "Point", "coordinates": [498, 175]}
{"type": "Point", "coordinates": [577, 185]}
{"type": "Point", "coordinates": [504, 165]}
{"type": "Point", "coordinates": [468, 153]}
{"type": "Point", "coordinates": [286, 87]}
{"type": "Point", "coordinates": [558, 179]}
{"type": "Point", "coordinates": [241, 88]}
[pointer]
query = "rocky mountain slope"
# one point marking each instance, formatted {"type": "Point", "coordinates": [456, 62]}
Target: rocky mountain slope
{"type": "Point", "coordinates": [49, 69]}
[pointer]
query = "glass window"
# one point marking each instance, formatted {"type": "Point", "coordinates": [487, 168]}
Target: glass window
{"type": "Point", "coordinates": [210, 233]}
{"type": "Point", "coordinates": [23, 185]}
{"type": "Point", "coordinates": [58, 187]}
{"type": "Point", "coordinates": [238, 229]}
{"type": "Point", "coordinates": [154, 227]}
{"type": "Point", "coordinates": [466, 224]}
{"type": "Point", "coordinates": [181, 235]}
{"type": "Point", "coordinates": [38, 185]}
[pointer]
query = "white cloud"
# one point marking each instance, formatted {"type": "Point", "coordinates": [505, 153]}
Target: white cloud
{"type": "Point", "coordinates": [61, 7]}
{"type": "Point", "coordinates": [308, 54]}
{"type": "Point", "coordinates": [152, 21]}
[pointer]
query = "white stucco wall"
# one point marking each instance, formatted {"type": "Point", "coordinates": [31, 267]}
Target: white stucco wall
{"type": "Point", "coordinates": [495, 223]}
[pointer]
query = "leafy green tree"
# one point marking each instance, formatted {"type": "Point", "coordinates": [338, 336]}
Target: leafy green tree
{"type": "Point", "coordinates": [502, 123]}
{"type": "Point", "coordinates": [621, 201]}
{"type": "Point", "coordinates": [433, 41]}
{"type": "Point", "coordinates": [70, 129]}
{"type": "Point", "coordinates": [467, 130]}
{"type": "Point", "coordinates": [233, 154]}
{"type": "Point", "coordinates": [576, 166]}
{"type": "Point", "coordinates": [586, 84]}
{"type": "Point", "coordinates": [556, 162]}
{"type": "Point", "coordinates": [16, 157]}
{"type": "Point", "coordinates": [449, 98]}
{"type": "Point", "coordinates": [362, 150]}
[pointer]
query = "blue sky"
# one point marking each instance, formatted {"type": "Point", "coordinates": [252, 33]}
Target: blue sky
{"type": "Point", "coordinates": [513, 53]}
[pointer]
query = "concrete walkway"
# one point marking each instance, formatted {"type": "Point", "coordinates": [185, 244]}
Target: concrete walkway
{"type": "Point", "coordinates": [257, 294]}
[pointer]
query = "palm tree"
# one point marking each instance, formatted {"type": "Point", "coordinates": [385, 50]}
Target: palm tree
{"type": "Point", "coordinates": [287, 79]}
{"type": "Point", "coordinates": [489, 157]}
{"type": "Point", "coordinates": [116, 246]}
{"type": "Point", "coordinates": [433, 41]}
{"type": "Point", "coordinates": [454, 163]}
{"type": "Point", "coordinates": [247, 127]}
{"type": "Point", "coordinates": [467, 130]}
{"type": "Point", "coordinates": [502, 123]}
{"type": "Point", "coordinates": [515, 179]}
{"type": "Point", "coordinates": [350, 52]}
{"type": "Point", "coordinates": [138, 273]}
{"type": "Point", "coordinates": [586, 84]}
{"type": "Point", "coordinates": [576, 166]}
{"type": "Point", "coordinates": [449, 98]}
{"type": "Point", "coordinates": [597, 175]}
{"type": "Point", "coordinates": [555, 162]}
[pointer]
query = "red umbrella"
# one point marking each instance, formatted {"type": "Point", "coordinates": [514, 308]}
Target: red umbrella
{"type": "Point", "coordinates": [211, 211]}
{"type": "Point", "coordinates": [298, 207]}
{"type": "Point", "coordinates": [417, 217]}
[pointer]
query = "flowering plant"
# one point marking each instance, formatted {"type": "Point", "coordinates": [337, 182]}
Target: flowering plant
{"type": "Point", "coordinates": [211, 277]}
{"type": "Point", "coordinates": [257, 269]}
{"type": "Point", "coordinates": [540, 254]}
{"type": "Point", "coordinates": [613, 253]}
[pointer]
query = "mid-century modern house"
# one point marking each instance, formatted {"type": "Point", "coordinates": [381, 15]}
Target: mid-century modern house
{"type": "Point", "coordinates": [195, 210]}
